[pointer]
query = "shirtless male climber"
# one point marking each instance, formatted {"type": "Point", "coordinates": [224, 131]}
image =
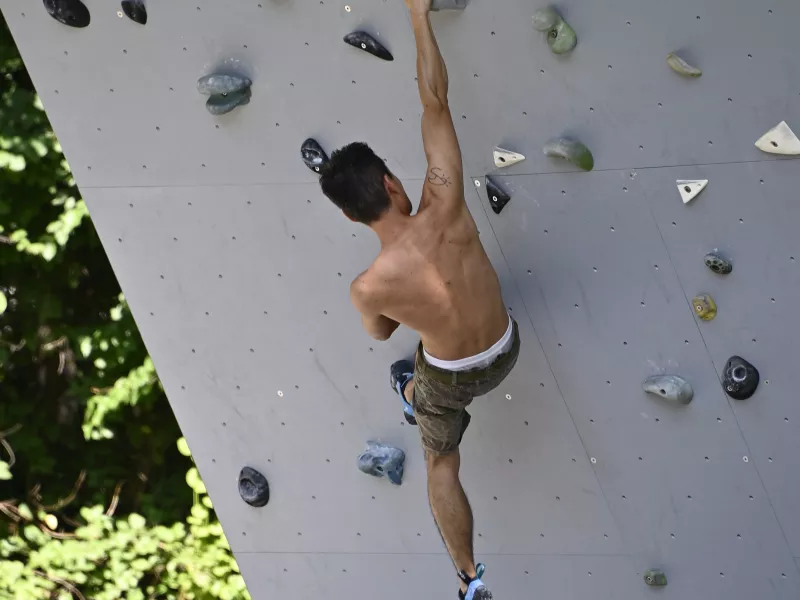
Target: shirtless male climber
{"type": "Point", "coordinates": [432, 275]}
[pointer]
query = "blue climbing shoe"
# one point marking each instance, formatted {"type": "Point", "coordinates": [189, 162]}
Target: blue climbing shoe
{"type": "Point", "coordinates": [380, 460]}
{"type": "Point", "coordinates": [476, 589]}
{"type": "Point", "coordinates": [400, 374]}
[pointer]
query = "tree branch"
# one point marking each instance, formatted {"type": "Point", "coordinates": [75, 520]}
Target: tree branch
{"type": "Point", "coordinates": [58, 581]}
{"type": "Point", "coordinates": [115, 499]}
{"type": "Point", "coordinates": [75, 489]}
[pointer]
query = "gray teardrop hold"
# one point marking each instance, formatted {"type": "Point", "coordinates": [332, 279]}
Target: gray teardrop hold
{"type": "Point", "coordinates": [219, 104]}
{"type": "Point", "coordinates": [253, 487]}
{"type": "Point", "coordinates": [222, 84]}
{"type": "Point", "coordinates": [672, 388]}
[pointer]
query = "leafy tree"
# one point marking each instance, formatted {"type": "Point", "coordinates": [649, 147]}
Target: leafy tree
{"type": "Point", "coordinates": [93, 489]}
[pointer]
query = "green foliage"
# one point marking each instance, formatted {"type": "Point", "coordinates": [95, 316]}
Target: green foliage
{"type": "Point", "coordinates": [73, 370]}
{"type": "Point", "coordinates": [107, 558]}
{"type": "Point", "coordinates": [84, 422]}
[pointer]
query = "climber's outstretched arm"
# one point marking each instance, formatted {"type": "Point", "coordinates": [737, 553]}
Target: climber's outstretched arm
{"type": "Point", "coordinates": [444, 179]}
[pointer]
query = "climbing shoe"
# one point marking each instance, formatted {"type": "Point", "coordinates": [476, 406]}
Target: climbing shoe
{"type": "Point", "coordinates": [400, 373]}
{"type": "Point", "coordinates": [476, 589]}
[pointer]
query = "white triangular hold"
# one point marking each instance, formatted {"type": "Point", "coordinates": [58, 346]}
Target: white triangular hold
{"type": "Point", "coordinates": [689, 188]}
{"type": "Point", "coordinates": [779, 140]}
{"type": "Point", "coordinates": [506, 158]}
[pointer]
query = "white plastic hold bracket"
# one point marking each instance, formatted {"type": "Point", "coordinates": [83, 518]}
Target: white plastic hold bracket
{"type": "Point", "coordinates": [689, 188]}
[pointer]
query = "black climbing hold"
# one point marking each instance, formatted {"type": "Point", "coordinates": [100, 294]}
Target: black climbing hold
{"type": "Point", "coordinates": [135, 11]}
{"type": "Point", "coordinates": [367, 43]}
{"type": "Point", "coordinates": [497, 197]}
{"type": "Point", "coordinates": [655, 578]}
{"type": "Point", "coordinates": [219, 104]}
{"type": "Point", "coordinates": [69, 12]}
{"type": "Point", "coordinates": [740, 379]}
{"type": "Point", "coordinates": [717, 263]}
{"type": "Point", "coordinates": [380, 460]}
{"type": "Point", "coordinates": [253, 487]}
{"type": "Point", "coordinates": [222, 84]}
{"type": "Point", "coordinates": [313, 155]}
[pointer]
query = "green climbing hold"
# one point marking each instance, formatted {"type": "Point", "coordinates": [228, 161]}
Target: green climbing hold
{"type": "Point", "coordinates": [560, 36]}
{"type": "Point", "coordinates": [680, 66]}
{"type": "Point", "coordinates": [704, 307]}
{"type": "Point", "coordinates": [654, 577]}
{"type": "Point", "coordinates": [571, 150]}
{"type": "Point", "coordinates": [220, 104]}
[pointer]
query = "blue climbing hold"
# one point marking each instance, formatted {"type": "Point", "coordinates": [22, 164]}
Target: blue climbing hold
{"type": "Point", "coordinates": [380, 460]}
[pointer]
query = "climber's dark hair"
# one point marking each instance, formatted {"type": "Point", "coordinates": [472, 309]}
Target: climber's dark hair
{"type": "Point", "coordinates": [353, 180]}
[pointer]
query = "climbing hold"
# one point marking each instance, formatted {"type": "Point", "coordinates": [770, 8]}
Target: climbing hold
{"type": "Point", "coordinates": [380, 460]}
{"type": "Point", "coordinates": [681, 67]}
{"type": "Point", "coordinates": [448, 5]}
{"type": "Point", "coordinates": [689, 188]}
{"type": "Point", "coordinates": [222, 85]}
{"type": "Point", "coordinates": [655, 577]}
{"type": "Point", "coordinates": [704, 307]}
{"type": "Point", "coordinates": [779, 140]}
{"type": "Point", "coordinates": [740, 379]}
{"type": "Point", "coordinates": [135, 10]}
{"type": "Point", "coordinates": [313, 155]}
{"type": "Point", "coordinates": [717, 263]}
{"type": "Point", "coordinates": [506, 158]}
{"type": "Point", "coordinates": [367, 43]}
{"type": "Point", "coordinates": [219, 104]}
{"type": "Point", "coordinates": [560, 36]}
{"type": "Point", "coordinates": [69, 12]}
{"type": "Point", "coordinates": [253, 487]}
{"type": "Point", "coordinates": [670, 387]}
{"type": "Point", "coordinates": [497, 197]}
{"type": "Point", "coordinates": [571, 150]}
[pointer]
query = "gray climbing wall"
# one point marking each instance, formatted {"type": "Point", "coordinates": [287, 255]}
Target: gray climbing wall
{"type": "Point", "coordinates": [237, 270]}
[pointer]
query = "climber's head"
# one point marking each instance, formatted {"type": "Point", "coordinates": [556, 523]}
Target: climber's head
{"type": "Point", "coordinates": [358, 182]}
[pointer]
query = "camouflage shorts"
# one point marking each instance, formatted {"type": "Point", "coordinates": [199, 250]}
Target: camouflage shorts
{"type": "Point", "coordinates": [441, 397]}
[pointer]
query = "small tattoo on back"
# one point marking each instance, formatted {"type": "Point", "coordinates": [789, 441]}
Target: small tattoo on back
{"type": "Point", "coordinates": [437, 177]}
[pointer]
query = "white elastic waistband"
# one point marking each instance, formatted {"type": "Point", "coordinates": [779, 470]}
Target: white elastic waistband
{"type": "Point", "coordinates": [484, 359]}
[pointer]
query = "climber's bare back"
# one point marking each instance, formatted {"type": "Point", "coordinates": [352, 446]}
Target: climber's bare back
{"type": "Point", "coordinates": [436, 278]}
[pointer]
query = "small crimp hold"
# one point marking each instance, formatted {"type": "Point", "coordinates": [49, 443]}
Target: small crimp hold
{"type": "Point", "coordinates": [779, 140]}
{"type": "Point", "coordinates": [670, 387]}
{"type": "Point", "coordinates": [253, 487]}
{"type": "Point", "coordinates": [690, 188]}
{"type": "Point", "coordinates": [313, 155]}
{"type": "Point", "coordinates": [219, 104]}
{"type": "Point", "coordinates": [740, 379]}
{"type": "Point", "coordinates": [497, 197]}
{"type": "Point", "coordinates": [68, 12]}
{"type": "Point", "coordinates": [680, 66]}
{"type": "Point", "coordinates": [704, 307]}
{"type": "Point", "coordinates": [506, 158]}
{"type": "Point", "coordinates": [135, 11]}
{"type": "Point", "coordinates": [560, 36]}
{"type": "Point", "coordinates": [367, 43]}
{"type": "Point", "coordinates": [220, 84]}
{"type": "Point", "coordinates": [380, 460]}
{"type": "Point", "coordinates": [654, 577]}
{"type": "Point", "coordinates": [571, 150]}
{"type": "Point", "coordinates": [717, 263]}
